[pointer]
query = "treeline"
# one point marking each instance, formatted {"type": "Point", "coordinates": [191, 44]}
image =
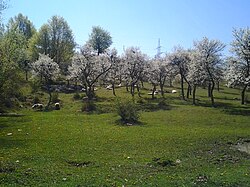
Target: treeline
{"type": "Point", "coordinates": [50, 53]}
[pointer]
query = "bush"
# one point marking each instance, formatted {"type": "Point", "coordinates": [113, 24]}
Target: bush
{"type": "Point", "coordinates": [55, 97]}
{"type": "Point", "coordinates": [76, 96]}
{"type": "Point", "coordinates": [128, 111]}
{"type": "Point", "coordinates": [88, 106]}
{"type": "Point", "coordinates": [36, 100]}
{"type": "Point", "coordinates": [163, 104]}
{"type": "Point", "coordinates": [141, 101]}
{"type": "Point", "coordinates": [35, 86]}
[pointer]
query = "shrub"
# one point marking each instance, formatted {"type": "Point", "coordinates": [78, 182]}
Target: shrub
{"type": "Point", "coordinates": [88, 106]}
{"type": "Point", "coordinates": [55, 97]}
{"type": "Point", "coordinates": [128, 111]}
{"type": "Point", "coordinates": [76, 96]}
{"type": "Point", "coordinates": [141, 101]}
{"type": "Point", "coordinates": [36, 100]}
{"type": "Point", "coordinates": [35, 86]}
{"type": "Point", "coordinates": [163, 104]}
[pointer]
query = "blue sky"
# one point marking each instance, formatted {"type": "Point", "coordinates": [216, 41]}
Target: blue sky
{"type": "Point", "coordinates": [141, 22]}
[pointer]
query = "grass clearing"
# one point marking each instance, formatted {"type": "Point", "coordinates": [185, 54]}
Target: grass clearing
{"type": "Point", "coordinates": [184, 145]}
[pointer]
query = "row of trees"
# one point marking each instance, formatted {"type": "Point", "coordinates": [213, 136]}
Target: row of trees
{"type": "Point", "coordinates": [202, 66]}
{"type": "Point", "coordinates": [51, 51]}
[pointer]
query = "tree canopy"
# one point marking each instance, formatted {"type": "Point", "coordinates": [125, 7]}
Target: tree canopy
{"type": "Point", "coordinates": [100, 39]}
{"type": "Point", "coordinates": [55, 39]}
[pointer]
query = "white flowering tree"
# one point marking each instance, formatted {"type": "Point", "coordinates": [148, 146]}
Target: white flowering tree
{"type": "Point", "coordinates": [47, 70]}
{"type": "Point", "coordinates": [114, 75]}
{"type": "Point", "coordinates": [87, 67]}
{"type": "Point", "coordinates": [134, 61]}
{"type": "Point", "coordinates": [219, 75]}
{"type": "Point", "coordinates": [152, 74]}
{"type": "Point", "coordinates": [233, 73]}
{"type": "Point", "coordinates": [179, 58]}
{"type": "Point", "coordinates": [238, 71]}
{"type": "Point", "coordinates": [196, 73]}
{"type": "Point", "coordinates": [157, 73]}
{"type": "Point", "coordinates": [209, 54]}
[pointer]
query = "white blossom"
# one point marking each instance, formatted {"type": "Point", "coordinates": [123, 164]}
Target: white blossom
{"type": "Point", "coordinates": [87, 67]}
{"type": "Point", "coordinates": [45, 68]}
{"type": "Point", "coordinates": [238, 67]}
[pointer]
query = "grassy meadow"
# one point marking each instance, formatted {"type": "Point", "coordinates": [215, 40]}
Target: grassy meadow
{"type": "Point", "coordinates": [179, 145]}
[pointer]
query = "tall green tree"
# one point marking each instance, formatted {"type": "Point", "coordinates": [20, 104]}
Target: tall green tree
{"type": "Point", "coordinates": [22, 28]}
{"type": "Point", "coordinates": [9, 82]}
{"type": "Point", "coordinates": [100, 39]}
{"type": "Point", "coordinates": [9, 71]}
{"type": "Point", "coordinates": [40, 43]}
{"type": "Point", "coordinates": [22, 24]}
{"type": "Point", "coordinates": [3, 6]}
{"type": "Point", "coordinates": [56, 40]}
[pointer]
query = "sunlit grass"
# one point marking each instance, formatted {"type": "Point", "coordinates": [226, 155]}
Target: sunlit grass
{"type": "Point", "coordinates": [72, 148]}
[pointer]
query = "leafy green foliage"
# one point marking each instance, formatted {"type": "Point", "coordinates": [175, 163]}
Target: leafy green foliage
{"type": "Point", "coordinates": [10, 80]}
{"type": "Point", "coordinates": [19, 30]}
{"type": "Point", "coordinates": [100, 39]}
{"type": "Point", "coordinates": [3, 6]}
{"type": "Point", "coordinates": [55, 39]}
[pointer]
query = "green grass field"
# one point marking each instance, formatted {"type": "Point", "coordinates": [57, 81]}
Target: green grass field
{"type": "Point", "coordinates": [184, 145]}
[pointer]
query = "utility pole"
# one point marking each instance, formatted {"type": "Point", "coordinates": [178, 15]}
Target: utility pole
{"type": "Point", "coordinates": [158, 54]}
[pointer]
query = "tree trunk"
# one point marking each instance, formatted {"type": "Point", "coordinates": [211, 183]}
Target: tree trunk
{"type": "Point", "coordinates": [132, 90]}
{"type": "Point", "coordinates": [26, 75]}
{"type": "Point", "coordinates": [50, 95]}
{"type": "Point", "coordinates": [188, 90]}
{"type": "Point", "coordinates": [218, 86]}
{"type": "Point", "coordinates": [243, 95]}
{"type": "Point", "coordinates": [127, 87]}
{"type": "Point", "coordinates": [113, 89]}
{"type": "Point", "coordinates": [182, 88]}
{"type": "Point", "coordinates": [194, 90]}
{"type": "Point", "coordinates": [90, 92]}
{"type": "Point", "coordinates": [209, 90]}
{"type": "Point", "coordinates": [138, 89]}
{"type": "Point", "coordinates": [162, 91]}
{"type": "Point", "coordinates": [170, 82]}
{"type": "Point", "coordinates": [211, 93]}
{"type": "Point", "coordinates": [142, 84]}
{"type": "Point", "coordinates": [153, 92]}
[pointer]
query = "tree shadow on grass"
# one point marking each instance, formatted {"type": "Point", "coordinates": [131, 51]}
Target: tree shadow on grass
{"type": "Point", "coordinates": [6, 122]}
{"type": "Point", "coordinates": [8, 143]}
{"type": "Point", "coordinates": [230, 93]}
{"type": "Point", "coordinates": [237, 111]}
{"type": "Point", "coordinates": [234, 110]}
{"type": "Point", "coordinates": [152, 105]}
{"type": "Point", "coordinates": [228, 108]}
